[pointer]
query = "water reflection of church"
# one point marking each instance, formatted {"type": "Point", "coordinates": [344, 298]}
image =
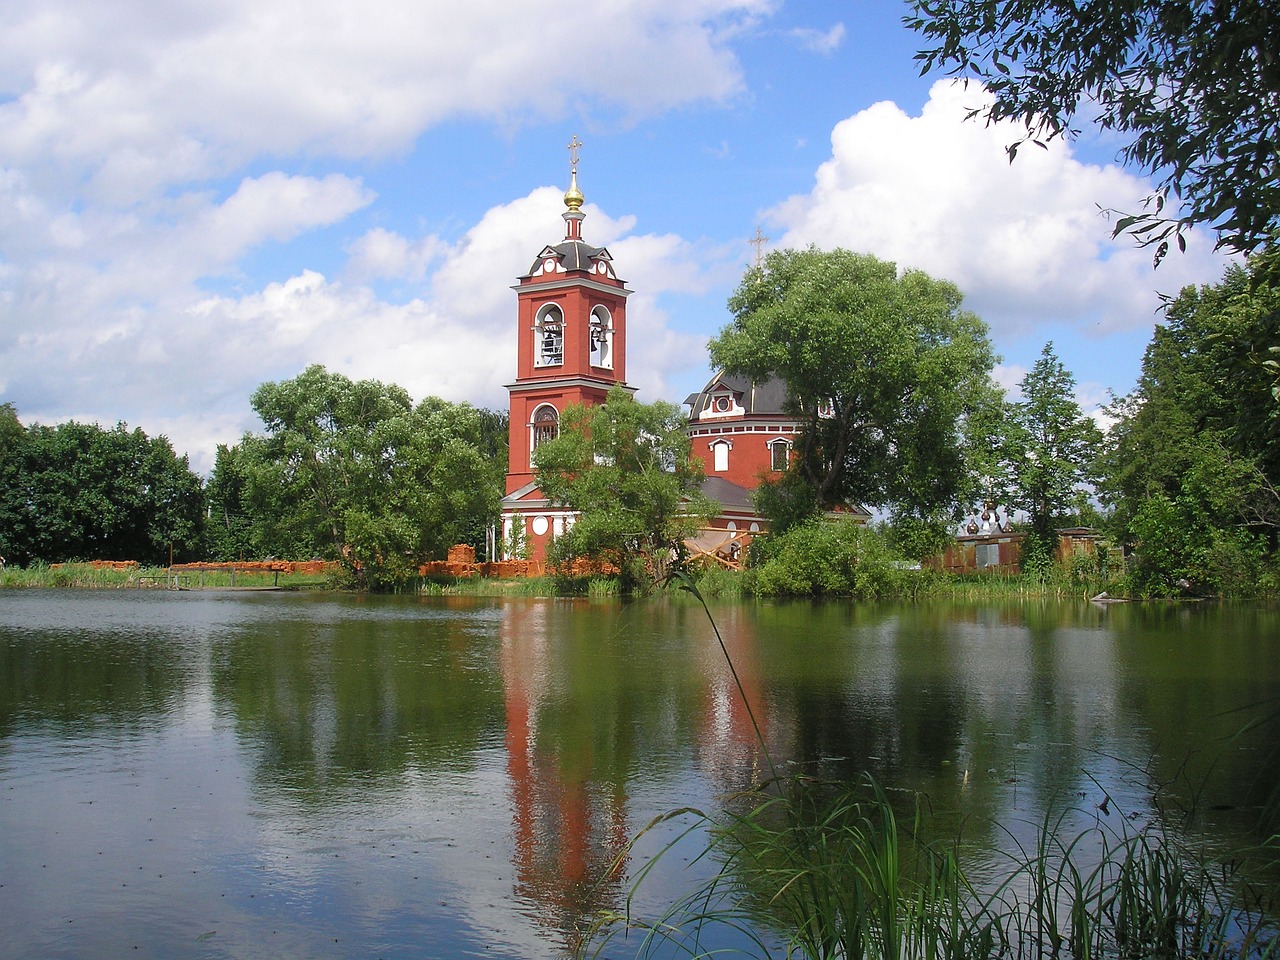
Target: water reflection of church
{"type": "Point", "coordinates": [578, 746]}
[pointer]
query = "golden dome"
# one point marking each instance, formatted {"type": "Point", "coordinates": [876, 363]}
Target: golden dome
{"type": "Point", "coordinates": [573, 196]}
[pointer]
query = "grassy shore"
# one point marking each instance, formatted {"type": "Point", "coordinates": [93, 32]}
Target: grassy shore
{"type": "Point", "coordinates": [718, 583]}
{"type": "Point", "coordinates": [713, 582]}
{"type": "Point", "coordinates": [91, 577]}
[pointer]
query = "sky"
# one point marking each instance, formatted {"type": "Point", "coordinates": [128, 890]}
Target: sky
{"type": "Point", "coordinates": [200, 197]}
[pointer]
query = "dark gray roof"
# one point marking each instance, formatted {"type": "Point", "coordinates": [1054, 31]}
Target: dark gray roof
{"type": "Point", "coordinates": [572, 254]}
{"type": "Point", "coordinates": [757, 399]}
{"type": "Point", "coordinates": [729, 495]}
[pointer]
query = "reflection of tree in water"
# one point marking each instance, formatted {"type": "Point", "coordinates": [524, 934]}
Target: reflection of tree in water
{"type": "Point", "coordinates": [881, 694]}
{"type": "Point", "coordinates": [355, 702]}
{"type": "Point", "coordinates": [1199, 685]}
{"type": "Point", "coordinates": [88, 680]}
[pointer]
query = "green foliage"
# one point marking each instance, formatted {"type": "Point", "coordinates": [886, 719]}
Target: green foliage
{"type": "Point", "coordinates": [882, 371]}
{"type": "Point", "coordinates": [351, 470]}
{"type": "Point", "coordinates": [1193, 462]}
{"type": "Point", "coordinates": [230, 533]}
{"type": "Point", "coordinates": [1190, 88]}
{"type": "Point", "coordinates": [626, 469]}
{"type": "Point", "coordinates": [1178, 554]}
{"type": "Point", "coordinates": [719, 582]}
{"type": "Point", "coordinates": [79, 492]}
{"type": "Point", "coordinates": [919, 538]}
{"type": "Point", "coordinates": [787, 501]}
{"type": "Point", "coordinates": [827, 558]}
{"type": "Point", "coordinates": [1052, 446]}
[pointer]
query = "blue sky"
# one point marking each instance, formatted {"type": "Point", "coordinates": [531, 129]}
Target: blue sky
{"type": "Point", "coordinates": [198, 198]}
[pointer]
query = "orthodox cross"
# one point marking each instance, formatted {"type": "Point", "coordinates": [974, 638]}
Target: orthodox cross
{"type": "Point", "coordinates": [758, 241]}
{"type": "Point", "coordinates": [574, 146]}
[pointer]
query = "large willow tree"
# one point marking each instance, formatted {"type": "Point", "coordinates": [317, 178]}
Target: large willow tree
{"type": "Point", "coordinates": [1189, 89]}
{"type": "Point", "coordinates": [884, 369]}
{"type": "Point", "coordinates": [353, 470]}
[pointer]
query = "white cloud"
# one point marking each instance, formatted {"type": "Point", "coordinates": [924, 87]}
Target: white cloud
{"type": "Point", "coordinates": [190, 374]}
{"type": "Point", "coordinates": [820, 41]}
{"type": "Point", "coordinates": [277, 207]}
{"type": "Point", "coordinates": [1009, 376]}
{"type": "Point", "coordinates": [1023, 240]}
{"type": "Point", "coordinates": [382, 254]}
{"type": "Point", "coordinates": [125, 98]}
{"type": "Point", "coordinates": [145, 149]}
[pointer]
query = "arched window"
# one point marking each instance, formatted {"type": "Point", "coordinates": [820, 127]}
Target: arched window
{"type": "Point", "coordinates": [601, 337]}
{"type": "Point", "coordinates": [720, 455]}
{"type": "Point", "coordinates": [779, 454]}
{"type": "Point", "coordinates": [546, 424]}
{"type": "Point", "coordinates": [548, 337]}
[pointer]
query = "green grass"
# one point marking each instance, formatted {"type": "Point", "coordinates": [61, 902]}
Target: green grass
{"type": "Point", "coordinates": [484, 587]}
{"type": "Point", "coordinates": [87, 576]}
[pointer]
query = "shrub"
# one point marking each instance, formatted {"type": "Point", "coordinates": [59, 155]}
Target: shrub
{"type": "Point", "coordinates": [824, 557]}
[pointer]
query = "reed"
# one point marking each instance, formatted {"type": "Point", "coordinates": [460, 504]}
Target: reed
{"type": "Point", "coordinates": [72, 575]}
{"type": "Point", "coordinates": [813, 870]}
{"type": "Point", "coordinates": [720, 583]}
{"type": "Point", "coordinates": [830, 872]}
{"type": "Point", "coordinates": [486, 587]}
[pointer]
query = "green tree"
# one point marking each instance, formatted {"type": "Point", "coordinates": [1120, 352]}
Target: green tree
{"type": "Point", "coordinates": [625, 468]}
{"type": "Point", "coordinates": [1197, 443]}
{"type": "Point", "coordinates": [13, 515]}
{"type": "Point", "coordinates": [883, 370]}
{"type": "Point", "coordinates": [1053, 446]}
{"type": "Point", "coordinates": [230, 532]}
{"type": "Point", "coordinates": [1191, 88]}
{"type": "Point", "coordinates": [352, 470]}
{"type": "Point", "coordinates": [79, 492]}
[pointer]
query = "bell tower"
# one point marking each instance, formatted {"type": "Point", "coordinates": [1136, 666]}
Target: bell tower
{"type": "Point", "coordinates": [571, 347]}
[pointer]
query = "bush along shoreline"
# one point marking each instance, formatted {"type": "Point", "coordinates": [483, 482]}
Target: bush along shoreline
{"type": "Point", "coordinates": [835, 560]}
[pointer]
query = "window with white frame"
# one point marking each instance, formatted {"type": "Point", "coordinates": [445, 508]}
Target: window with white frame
{"type": "Point", "coordinates": [779, 454]}
{"type": "Point", "coordinates": [546, 425]}
{"type": "Point", "coordinates": [548, 337]}
{"type": "Point", "coordinates": [720, 455]}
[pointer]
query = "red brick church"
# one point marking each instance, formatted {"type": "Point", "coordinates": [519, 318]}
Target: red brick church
{"type": "Point", "coordinates": [572, 348]}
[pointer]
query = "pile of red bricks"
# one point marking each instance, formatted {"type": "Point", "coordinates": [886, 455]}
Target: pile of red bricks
{"type": "Point", "coordinates": [100, 565]}
{"type": "Point", "coordinates": [305, 567]}
{"type": "Point", "coordinates": [461, 563]}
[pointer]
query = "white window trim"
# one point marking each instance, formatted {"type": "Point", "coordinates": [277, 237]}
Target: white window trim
{"type": "Point", "coordinates": [539, 360]}
{"type": "Point", "coordinates": [716, 447]}
{"type": "Point", "coordinates": [605, 355]}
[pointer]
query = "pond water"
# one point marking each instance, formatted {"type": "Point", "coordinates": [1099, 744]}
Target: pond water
{"type": "Point", "coordinates": [219, 774]}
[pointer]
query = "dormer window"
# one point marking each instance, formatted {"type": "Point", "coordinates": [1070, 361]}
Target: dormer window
{"type": "Point", "coordinates": [548, 337]}
{"type": "Point", "coordinates": [601, 337]}
{"type": "Point", "coordinates": [723, 404]}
